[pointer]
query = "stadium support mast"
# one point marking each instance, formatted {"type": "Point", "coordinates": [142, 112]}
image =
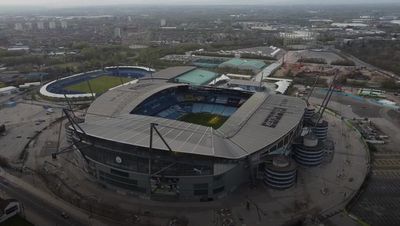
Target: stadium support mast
{"type": "Point", "coordinates": [69, 104]}
{"type": "Point", "coordinates": [90, 88]}
{"type": "Point", "coordinates": [262, 77]}
{"type": "Point", "coordinates": [120, 78]}
{"type": "Point", "coordinates": [59, 131]}
{"type": "Point", "coordinates": [74, 125]}
{"type": "Point", "coordinates": [159, 134]}
{"type": "Point", "coordinates": [152, 129]}
{"type": "Point", "coordinates": [312, 89]}
{"type": "Point", "coordinates": [331, 87]}
{"type": "Point", "coordinates": [329, 95]}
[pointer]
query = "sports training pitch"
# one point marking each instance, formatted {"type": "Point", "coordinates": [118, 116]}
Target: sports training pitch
{"type": "Point", "coordinates": [99, 84]}
{"type": "Point", "coordinates": [205, 119]}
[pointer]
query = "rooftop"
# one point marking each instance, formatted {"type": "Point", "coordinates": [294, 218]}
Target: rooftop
{"type": "Point", "coordinates": [242, 134]}
{"type": "Point", "coordinates": [7, 89]}
{"type": "Point", "coordinates": [171, 72]}
{"type": "Point", "coordinates": [236, 62]}
{"type": "Point", "coordinates": [197, 77]}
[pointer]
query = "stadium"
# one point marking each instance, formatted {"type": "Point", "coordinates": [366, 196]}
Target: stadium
{"type": "Point", "coordinates": [171, 141]}
{"type": "Point", "coordinates": [92, 83]}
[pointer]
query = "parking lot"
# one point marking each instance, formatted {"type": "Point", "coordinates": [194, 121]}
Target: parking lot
{"type": "Point", "coordinates": [22, 123]}
{"type": "Point", "coordinates": [379, 201]}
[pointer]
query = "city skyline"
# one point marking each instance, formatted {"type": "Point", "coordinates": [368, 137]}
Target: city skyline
{"type": "Point", "coordinates": [71, 3]}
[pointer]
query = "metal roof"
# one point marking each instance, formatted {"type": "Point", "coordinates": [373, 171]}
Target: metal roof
{"type": "Point", "coordinates": [243, 82]}
{"type": "Point", "coordinates": [123, 99]}
{"type": "Point", "coordinates": [197, 77]}
{"type": "Point", "coordinates": [242, 63]}
{"type": "Point", "coordinates": [171, 72]}
{"type": "Point", "coordinates": [8, 89]}
{"type": "Point", "coordinates": [242, 134]}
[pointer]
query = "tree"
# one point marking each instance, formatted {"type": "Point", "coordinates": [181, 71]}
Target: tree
{"type": "Point", "coordinates": [4, 162]}
{"type": "Point", "coordinates": [390, 84]}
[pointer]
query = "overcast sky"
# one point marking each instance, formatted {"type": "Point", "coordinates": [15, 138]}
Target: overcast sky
{"type": "Point", "coordinates": [62, 3]}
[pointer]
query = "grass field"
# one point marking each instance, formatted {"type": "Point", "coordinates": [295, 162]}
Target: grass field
{"type": "Point", "coordinates": [99, 84]}
{"type": "Point", "coordinates": [205, 119]}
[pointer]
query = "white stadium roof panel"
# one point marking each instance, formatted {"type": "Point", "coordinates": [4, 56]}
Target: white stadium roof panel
{"type": "Point", "coordinates": [242, 134]}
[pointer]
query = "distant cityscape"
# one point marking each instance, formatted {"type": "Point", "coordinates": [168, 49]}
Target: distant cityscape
{"type": "Point", "coordinates": [200, 115]}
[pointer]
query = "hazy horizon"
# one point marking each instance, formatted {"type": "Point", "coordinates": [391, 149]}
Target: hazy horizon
{"type": "Point", "coordinates": [75, 3]}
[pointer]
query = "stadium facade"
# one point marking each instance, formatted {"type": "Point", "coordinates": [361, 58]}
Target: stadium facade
{"type": "Point", "coordinates": [58, 89]}
{"type": "Point", "coordinates": [133, 138]}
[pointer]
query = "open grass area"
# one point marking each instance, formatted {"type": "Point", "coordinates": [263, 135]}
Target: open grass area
{"type": "Point", "coordinates": [99, 84]}
{"type": "Point", "coordinates": [16, 221]}
{"type": "Point", "coordinates": [205, 119]}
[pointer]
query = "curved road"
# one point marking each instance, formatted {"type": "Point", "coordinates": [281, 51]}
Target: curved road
{"type": "Point", "coordinates": [42, 208]}
{"type": "Point", "coordinates": [37, 210]}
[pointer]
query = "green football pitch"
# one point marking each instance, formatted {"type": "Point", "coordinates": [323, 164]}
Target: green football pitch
{"type": "Point", "coordinates": [205, 119]}
{"type": "Point", "coordinates": [99, 84]}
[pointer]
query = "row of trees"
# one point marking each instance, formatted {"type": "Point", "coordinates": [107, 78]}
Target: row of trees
{"type": "Point", "coordinates": [151, 56]}
{"type": "Point", "coordinates": [381, 53]}
{"type": "Point", "coordinates": [343, 62]}
{"type": "Point", "coordinates": [312, 60]}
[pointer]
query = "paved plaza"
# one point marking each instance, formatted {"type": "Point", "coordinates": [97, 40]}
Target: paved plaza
{"type": "Point", "coordinates": [322, 190]}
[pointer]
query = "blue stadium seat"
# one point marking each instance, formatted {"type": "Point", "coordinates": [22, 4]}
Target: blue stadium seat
{"type": "Point", "coordinates": [219, 109]}
{"type": "Point", "coordinates": [196, 108]}
{"type": "Point", "coordinates": [228, 111]}
{"type": "Point", "coordinates": [207, 108]}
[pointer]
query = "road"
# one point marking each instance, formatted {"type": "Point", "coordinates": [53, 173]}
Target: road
{"type": "Point", "coordinates": [36, 210]}
{"type": "Point", "coordinates": [379, 201]}
{"type": "Point", "coordinates": [42, 208]}
{"type": "Point", "coordinates": [367, 65]}
{"type": "Point", "coordinates": [267, 71]}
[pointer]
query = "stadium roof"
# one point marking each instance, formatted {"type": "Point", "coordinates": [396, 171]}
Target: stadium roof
{"type": "Point", "coordinates": [242, 134]}
{"type": "Point", "coordinates": [8, 89]}
{"type": "Point", "coordinates": [171, 72]}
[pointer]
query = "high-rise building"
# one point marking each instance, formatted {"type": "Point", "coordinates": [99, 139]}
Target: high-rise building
{"type": "Point", "coordinates": [52, 25]}
{"type": "Point", "coordinates": [163, 22]}
{"type": "Point", "coordinates": [40, 25]}
{"type": "Point", "coordinates": [117, 32]}
{"type": "Point", "coordinates": [18, 27]}
{"type": "Point", "coordinates": [29, 25]}
{"type": "Point", "coordinates": [64, 24]}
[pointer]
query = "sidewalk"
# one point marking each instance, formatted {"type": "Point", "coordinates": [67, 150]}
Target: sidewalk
{"type": "Point", "coordinates": [269, 207]}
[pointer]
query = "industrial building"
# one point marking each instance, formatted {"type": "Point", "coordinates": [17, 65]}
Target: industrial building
{"type": "Point", "coordinates": [196, 77]}
{"type": "Point", "coordinates": [8, 90]}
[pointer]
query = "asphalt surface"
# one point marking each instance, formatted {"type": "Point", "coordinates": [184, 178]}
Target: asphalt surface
{"type": "Point", "coordinates": [379, 202]}
{"type": "Point", "coordinates": [38, 211]}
